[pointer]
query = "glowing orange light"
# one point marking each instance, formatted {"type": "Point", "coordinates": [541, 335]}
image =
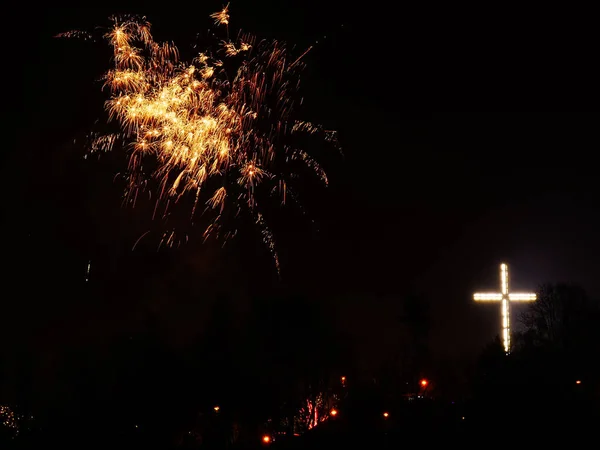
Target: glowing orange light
{"type": "Point", "coordinates": [386, 415]}
{"type": "Point", "coordinates": [217, 408]}
{"type": "Point", "coordinates": [343, 379]}
{"type": "Point", "coordinates": [266, 439]}
{"type": "Point", "coordinates": [578, 382]}
{"type": "Point", "coordinates": [424, 383]}
{"type": "Point", "coordinates": [334, 412]}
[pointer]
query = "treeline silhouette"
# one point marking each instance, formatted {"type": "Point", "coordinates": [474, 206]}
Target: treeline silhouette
{"type": "Point", "coordinates": [139, 390]}
{"type": "Point", "coordinates": [549, 385]}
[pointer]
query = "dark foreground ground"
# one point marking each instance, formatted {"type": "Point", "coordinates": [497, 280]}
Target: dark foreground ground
{"type": "Point", "coordinates": [518, 422]}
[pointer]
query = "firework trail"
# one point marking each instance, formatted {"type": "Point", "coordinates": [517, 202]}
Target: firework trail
{"type": "Point", "coordinates": [218, 130]}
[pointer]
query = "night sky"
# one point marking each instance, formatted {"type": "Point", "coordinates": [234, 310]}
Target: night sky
{"type": "Point", "coordinates": [421, 201]}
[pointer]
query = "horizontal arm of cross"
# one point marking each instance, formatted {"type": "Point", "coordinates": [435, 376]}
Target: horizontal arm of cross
{"type": "Point", "coordinates": [496, 297]}
{"type": "Point", "coordinates": [518, 297]}
{"type": "Point", "coordinates": [487, 297]}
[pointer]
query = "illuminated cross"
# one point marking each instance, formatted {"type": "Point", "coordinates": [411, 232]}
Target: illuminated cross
{"type": "Point", "coordinates": [505, 297]}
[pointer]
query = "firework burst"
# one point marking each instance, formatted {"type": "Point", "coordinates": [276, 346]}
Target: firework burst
{"type": "Point", "coordinates": [218, 130]}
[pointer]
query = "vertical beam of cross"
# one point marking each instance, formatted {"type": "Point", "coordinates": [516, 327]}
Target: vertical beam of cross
{"type": "Point", "coordinates": [505, 297]}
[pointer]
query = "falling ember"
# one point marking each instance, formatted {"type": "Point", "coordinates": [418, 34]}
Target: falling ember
{"type": "Point", "coordinates": [218, 129]}
{"type": "Point", "coordinates": [87, 272]}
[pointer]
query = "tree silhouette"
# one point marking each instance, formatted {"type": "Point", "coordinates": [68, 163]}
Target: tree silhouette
{"type": "Point", "coordinates": [564, 322]}
{"type": "Point", "coordinates": [414, 323]}
{"type": "Point", "coordinates": [563, 316]}
{"type": "Point", "coordinates": [548, 380]}
{"type": "Point", "coordinates": [302, 349]}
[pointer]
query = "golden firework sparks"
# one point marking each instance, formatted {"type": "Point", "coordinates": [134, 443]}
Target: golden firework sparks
{"type": "Point", "coordinates": [221, 17]}
{"type": "Point", "coordinates": [218, 134]}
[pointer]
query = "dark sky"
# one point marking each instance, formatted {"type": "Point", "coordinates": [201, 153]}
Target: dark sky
{"type": "Point", "coordinates": [422, 201]}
